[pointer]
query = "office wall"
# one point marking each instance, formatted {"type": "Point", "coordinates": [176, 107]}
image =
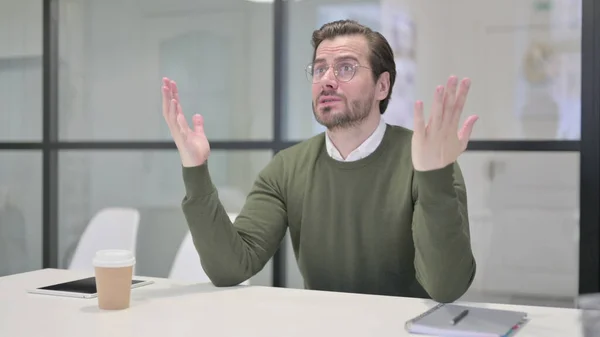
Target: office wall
{"type": "Point", "coordinates": [20, 120]}
{"type": "Point", "coordinates": [113, 55]}
{"type": "Point", "coordinates": [124, 54]}
{"type": "Point", "coordinates": [487, 41]}
{"type": "Point", "coordinates": [22, 28]}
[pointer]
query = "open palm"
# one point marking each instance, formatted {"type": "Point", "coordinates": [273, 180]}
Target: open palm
{"type": "Point", "coordinates": [192, 143]}
{"type": "Point", "coordinates": [439, 143]}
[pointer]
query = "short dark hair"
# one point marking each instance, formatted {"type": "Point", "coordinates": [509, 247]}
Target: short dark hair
{"type": "Point", "coordinates": [381, 56]}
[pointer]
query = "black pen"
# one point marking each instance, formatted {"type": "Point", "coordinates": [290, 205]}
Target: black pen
{"type": "Point", "coordinates": [460, 316]}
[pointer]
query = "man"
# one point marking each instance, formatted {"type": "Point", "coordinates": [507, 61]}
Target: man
{"type": "Point", "coordinates": [371, 208]}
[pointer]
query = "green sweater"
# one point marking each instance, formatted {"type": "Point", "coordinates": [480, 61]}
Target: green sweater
{"type": "Point", "coordinates": [373, 226]}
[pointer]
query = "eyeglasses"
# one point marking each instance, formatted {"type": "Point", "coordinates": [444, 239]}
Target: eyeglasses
{"type": "Point", "coordinates": [344, 71]}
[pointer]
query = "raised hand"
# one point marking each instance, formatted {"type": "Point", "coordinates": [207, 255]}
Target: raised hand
{"type": "Point", "coordinates": [439, 143]}
{"type": "Point", "coordinates": [192, 144]}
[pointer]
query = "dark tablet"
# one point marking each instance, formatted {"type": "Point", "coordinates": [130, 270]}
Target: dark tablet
{"type": "Point", "coordinates": [85, 288]}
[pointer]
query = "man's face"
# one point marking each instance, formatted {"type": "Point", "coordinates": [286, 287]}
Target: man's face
{"type": "Point", "coordinates": [338, 103]}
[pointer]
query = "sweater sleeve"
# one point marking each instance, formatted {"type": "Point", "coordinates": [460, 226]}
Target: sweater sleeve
{"type": "Point", "coordinates": [444, 261]}
{"type": "Point", "coordinates": [231, 253]}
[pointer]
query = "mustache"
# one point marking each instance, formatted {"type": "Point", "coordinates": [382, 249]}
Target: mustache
{"type": "Point", "coordinates": [329, 93]}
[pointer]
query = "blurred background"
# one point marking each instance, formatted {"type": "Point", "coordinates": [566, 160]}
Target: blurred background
{"type": "Point", "coordinates": [81, 129]}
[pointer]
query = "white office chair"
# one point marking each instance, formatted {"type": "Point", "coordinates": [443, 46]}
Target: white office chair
{"type": "Point", "coordinates": [187, 266]}
{"type": "Point", "coordinates": [110, 228]}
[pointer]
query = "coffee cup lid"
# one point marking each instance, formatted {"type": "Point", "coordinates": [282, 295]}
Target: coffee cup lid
{"type": "Point", "coordinates": [114, 258]}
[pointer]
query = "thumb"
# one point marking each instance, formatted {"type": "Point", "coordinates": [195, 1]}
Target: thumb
{"type": "Point", "coordinates": [198, 121]}
{"type": "Point", "coordinates": [465, 132]}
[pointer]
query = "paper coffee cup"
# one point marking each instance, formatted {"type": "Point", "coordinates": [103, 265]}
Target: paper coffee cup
{"type": "Point", "coordinates": [114, 272]}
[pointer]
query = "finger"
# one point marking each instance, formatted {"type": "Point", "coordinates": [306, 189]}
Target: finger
{"type": "Point", "coordinates": [419, 121]}
{"type": "Point", "coordinates": [179, 112]}
{"type": "Point", "coordinates": [165, 101]}
{"type": "Point", "coordinates": [198, 122]}
{"type": "Point", "coordinates": [172, 118]}
{"type": "Point", "coordinates": [167, 83]}
{"type": "Point", "coordinates": [435, 119]}
{"type": "Point", "coordinates": [175, 91]}
{"type": "Point", "coordinates": [178, 109]}
{"type": "Point", "coordinates": [464, 135]}
{"type": "Point", "coordinates": [184, 129]}
{"type": "Point", "coordinates": [461, 99]}
{"type": "Point", "coordinates": [449, 100]}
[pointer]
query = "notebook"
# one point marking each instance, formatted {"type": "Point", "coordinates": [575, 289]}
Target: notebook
{"type": "Point", "coordinates": [477, 322]}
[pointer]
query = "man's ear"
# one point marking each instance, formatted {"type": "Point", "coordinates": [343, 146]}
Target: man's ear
{"type": "Point", "coordinates": [383, 86]}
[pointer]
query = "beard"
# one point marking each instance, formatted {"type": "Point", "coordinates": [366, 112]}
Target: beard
{"type": "Point", "coordinates": [352, 114]}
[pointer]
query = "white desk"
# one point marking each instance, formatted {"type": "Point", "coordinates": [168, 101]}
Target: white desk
{"type": "Point", "coordinates": [167, 308]}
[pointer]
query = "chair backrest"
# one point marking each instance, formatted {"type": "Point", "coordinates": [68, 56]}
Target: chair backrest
{"type": "Point", "coordinates": [187, 266]}
{"type": "Point", "coordinates": [110, 228]}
